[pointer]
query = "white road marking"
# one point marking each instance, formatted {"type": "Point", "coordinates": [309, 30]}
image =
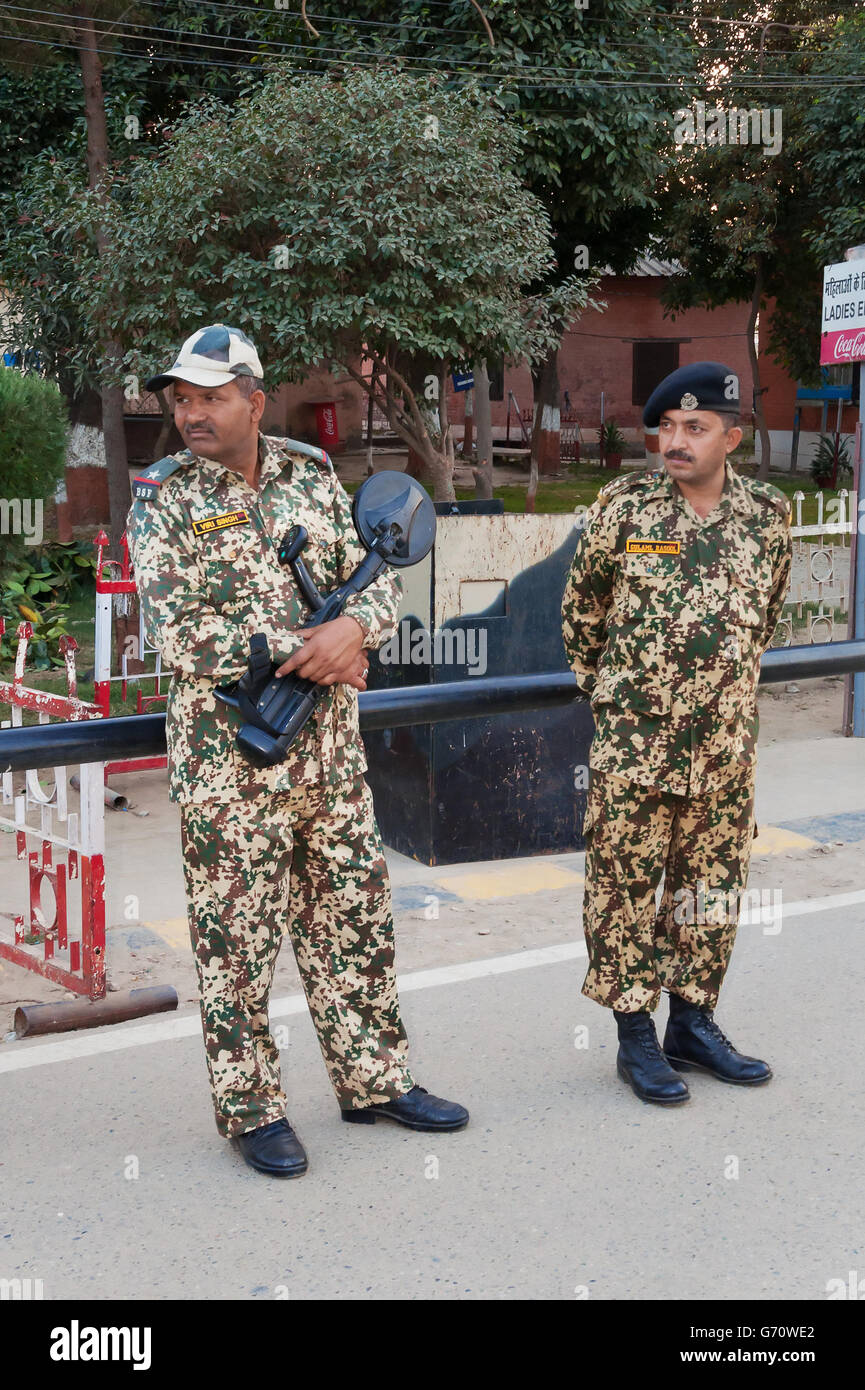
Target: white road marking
{"type": "Point", "coordinates": [36, 1053]}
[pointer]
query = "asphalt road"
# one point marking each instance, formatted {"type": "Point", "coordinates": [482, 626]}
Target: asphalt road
{"type": "Point", "coordinates": [115, 1184]}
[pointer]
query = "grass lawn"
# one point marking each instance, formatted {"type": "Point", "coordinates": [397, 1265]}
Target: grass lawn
{"type": "Point", "coordinates": [564, 494]}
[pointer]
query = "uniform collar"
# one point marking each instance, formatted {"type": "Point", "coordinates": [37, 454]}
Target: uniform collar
{"type": "Point", "coordinates": [734, 498]}
{"type": "Point", "coordinates": [274, 459]}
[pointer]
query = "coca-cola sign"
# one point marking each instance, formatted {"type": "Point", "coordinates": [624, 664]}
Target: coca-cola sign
{"type": "Point", "coordinates": [849, 349]}
{"type": "Point", "coordinates": [843, 329]}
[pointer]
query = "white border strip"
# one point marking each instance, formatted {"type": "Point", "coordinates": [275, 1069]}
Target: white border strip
{"type": "Point", "coordinates": [35, 1053]}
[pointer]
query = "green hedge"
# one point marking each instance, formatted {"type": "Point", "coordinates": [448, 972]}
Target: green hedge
{"type": "Point", "coordinates": [33, 427]}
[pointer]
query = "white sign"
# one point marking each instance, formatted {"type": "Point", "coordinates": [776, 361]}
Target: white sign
{"type": "Point", "coordinates": [843, 330]}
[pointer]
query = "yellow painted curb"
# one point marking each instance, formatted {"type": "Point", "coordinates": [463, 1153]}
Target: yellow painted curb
{"type": "Point", "coordinates": [510, 882]}
{"type": "Point", "coordinates": [174, 932]}
{"type": "Point", "coordinates": [771, 839]}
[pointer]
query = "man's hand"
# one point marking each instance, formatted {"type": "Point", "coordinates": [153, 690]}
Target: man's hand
{"type": "Point", "coordinates": [331, 654]}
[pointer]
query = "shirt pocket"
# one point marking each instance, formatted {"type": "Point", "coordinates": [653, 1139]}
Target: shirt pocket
{"type": "Point", "coordinates": [649, 585]}
{"type": "Point", "coordinates": [231, 563]}
{"type": "Point", "coordinates": [632, 690]}
{"type": "Point", "coordinates": [319, 553]}
{"type": "Point", "coordinates": [749, 592]}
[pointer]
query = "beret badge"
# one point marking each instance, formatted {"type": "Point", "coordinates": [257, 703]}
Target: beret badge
{"type": "Point", "coordinates": [688, 401]}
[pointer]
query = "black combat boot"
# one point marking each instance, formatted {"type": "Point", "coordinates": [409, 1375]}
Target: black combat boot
{"type": "Point", "coordinates": [273, 1149]}
{"type": "Point", "coordinates": [694, 1040]}
{"type": "Point", "coordinates": [642, 1063]}
{"type": "Point", "coordinates": [417, 1109]}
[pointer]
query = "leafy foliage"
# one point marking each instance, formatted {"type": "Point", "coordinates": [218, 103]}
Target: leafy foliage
{"type": "Point", "coordinates": [610, 438]}
{"type": "Point", "coordinates": [32, 434]}
{"type": "Point", "coordinates": [322, 216]}
{"type": "Point", "coordinates": [833, 141]}
{"type": "Point", "coordinates": [823, 468]}
{"type": "Point", "coordinates": [40, 587]}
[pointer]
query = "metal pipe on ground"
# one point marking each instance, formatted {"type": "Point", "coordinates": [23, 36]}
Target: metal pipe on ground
{"type": "Point", "coordinates": [143, 735]}
{"type": "Point", "coordinates": [116, 800]}
{"type": "Point", "coordinates": [118, 1007]}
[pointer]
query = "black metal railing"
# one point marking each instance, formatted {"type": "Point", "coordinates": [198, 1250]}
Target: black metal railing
{"type": "Point", "coordinates": [143, 735]}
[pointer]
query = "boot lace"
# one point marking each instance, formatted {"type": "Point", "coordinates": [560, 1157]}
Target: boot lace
{"type": "Point", "coordinates": [648, 1038]}
{"type": "Point", "coordinates": [710, 1026]}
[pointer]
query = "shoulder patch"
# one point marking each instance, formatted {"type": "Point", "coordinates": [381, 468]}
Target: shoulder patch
{"type": "Point", "coordinates": [297, 446]}
{"type": "Point", "coordinates": [146, 484]}
{"type": "Point", "coordinates": [772, 496]}
{"type": "Point", "coordinates": [624, 483]}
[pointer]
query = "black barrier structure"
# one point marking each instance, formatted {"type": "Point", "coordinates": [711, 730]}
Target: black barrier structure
{"type": "Point", "coordinates": [140, 735]}
{"type": "Point", "coordinates": [486, 603]}
{"type": "Point", "coordinates": [456, 787]}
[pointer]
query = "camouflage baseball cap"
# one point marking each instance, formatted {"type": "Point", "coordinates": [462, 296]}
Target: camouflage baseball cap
{"type": "Point", "coordinates": [213, 356]}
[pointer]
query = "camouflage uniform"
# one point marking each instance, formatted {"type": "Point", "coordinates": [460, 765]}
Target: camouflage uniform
{"type": "Point", "coordinates": [665, 618]}
{"type": "Point", "coordinates": [291, 848]}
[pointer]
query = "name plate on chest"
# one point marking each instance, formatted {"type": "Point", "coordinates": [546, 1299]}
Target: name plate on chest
{"type": "Point", "coordinates": [635, 545]}
{"type": "Point", "coordinates": [206, 524]}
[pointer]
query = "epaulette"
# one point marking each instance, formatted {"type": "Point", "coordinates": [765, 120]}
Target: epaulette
{"type": "Point", "coordinates": [297, 446]}
{"type": "Point", "coordinates": [773, 496]}
{"type": "Point", "coordinates": [638, 478]}
{"type": "Point", "coordinates": [146, 485]}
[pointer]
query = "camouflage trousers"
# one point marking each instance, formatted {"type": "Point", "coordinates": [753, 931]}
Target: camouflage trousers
{"type": "Point", "coordinates": [307, 863]}
{"type": "Point", "coordinates": [702, 844]}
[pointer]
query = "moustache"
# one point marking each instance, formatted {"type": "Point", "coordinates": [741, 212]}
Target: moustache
{"type": "Point", "coordinates": [678, 458]}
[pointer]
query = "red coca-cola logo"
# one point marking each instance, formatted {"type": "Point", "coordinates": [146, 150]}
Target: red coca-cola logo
{"type": "Point", "coordinates": [850, 347]}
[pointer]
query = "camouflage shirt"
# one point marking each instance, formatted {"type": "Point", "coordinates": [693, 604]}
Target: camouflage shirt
{"type": "Point", "coordinates": [204, 546]}
{"type": "Point", "coordinates": [665, 618]}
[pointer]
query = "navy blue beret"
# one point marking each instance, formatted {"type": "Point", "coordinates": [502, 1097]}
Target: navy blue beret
{"type": "Point", "coordinates": [699, 386]}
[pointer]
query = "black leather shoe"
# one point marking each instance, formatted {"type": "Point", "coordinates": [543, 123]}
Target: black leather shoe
{"type": "Point", "coordinates": [642, 1063]}
{"type": "Point", "coordinates": [273, 1149]}
{"type": "Point", "coordinates": [417, 1109]}
{"type": "Point", "coordinates": [694, 1040]}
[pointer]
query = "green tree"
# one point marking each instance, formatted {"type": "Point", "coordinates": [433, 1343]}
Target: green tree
{"type": "Point", "coordinates": [328, 218]}
{"type": "Point", "coordinates": [757, 229]}
{"type": "Point", "coordinates": [80, 82]}
{"type": "Point", "coordinates": [589, 88]}
{"type": "Point", "coordinates": [833, 140]}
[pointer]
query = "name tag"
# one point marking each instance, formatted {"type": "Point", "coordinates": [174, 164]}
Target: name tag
{"type": "Point", "coordinates": [637, 546]}
{"type": "Point", "coordinates": [206, 524]}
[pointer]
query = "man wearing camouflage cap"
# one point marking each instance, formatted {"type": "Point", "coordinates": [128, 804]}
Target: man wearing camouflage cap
{"type": "Point", "coordinates": [292, 848]}
{"type": "Point", "coordinates": [675, 589]}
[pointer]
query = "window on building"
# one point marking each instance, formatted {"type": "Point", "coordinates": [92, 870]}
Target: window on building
{"type": "Point", "coordinates": [652, 362]}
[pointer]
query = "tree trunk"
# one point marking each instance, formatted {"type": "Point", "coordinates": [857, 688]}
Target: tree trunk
{"type": "Point", "coordinates": [119, 495]}
{"type": "Point", "coordinates": [483, 415]}
{"type": "Point", "coordinates": [546, 429]}
{"type": "Point", "coordinates": [759, 416]}
{"type": "Point", "coordinates": [483, 480]}
{"type": "Point", "coordinates": [425, 460]}
{"type": "Point", "coordinates": [164, 429]}
{"type": "Point", "coordinates": [447, 433]}
{"type": "Point", "coordinates": [369, 419]}
{"type": "Point", "coordinates": [469, 422]}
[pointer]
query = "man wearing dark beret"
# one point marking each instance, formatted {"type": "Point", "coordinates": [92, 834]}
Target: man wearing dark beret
{"type": "Point", "coordinates": [675, 589]}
